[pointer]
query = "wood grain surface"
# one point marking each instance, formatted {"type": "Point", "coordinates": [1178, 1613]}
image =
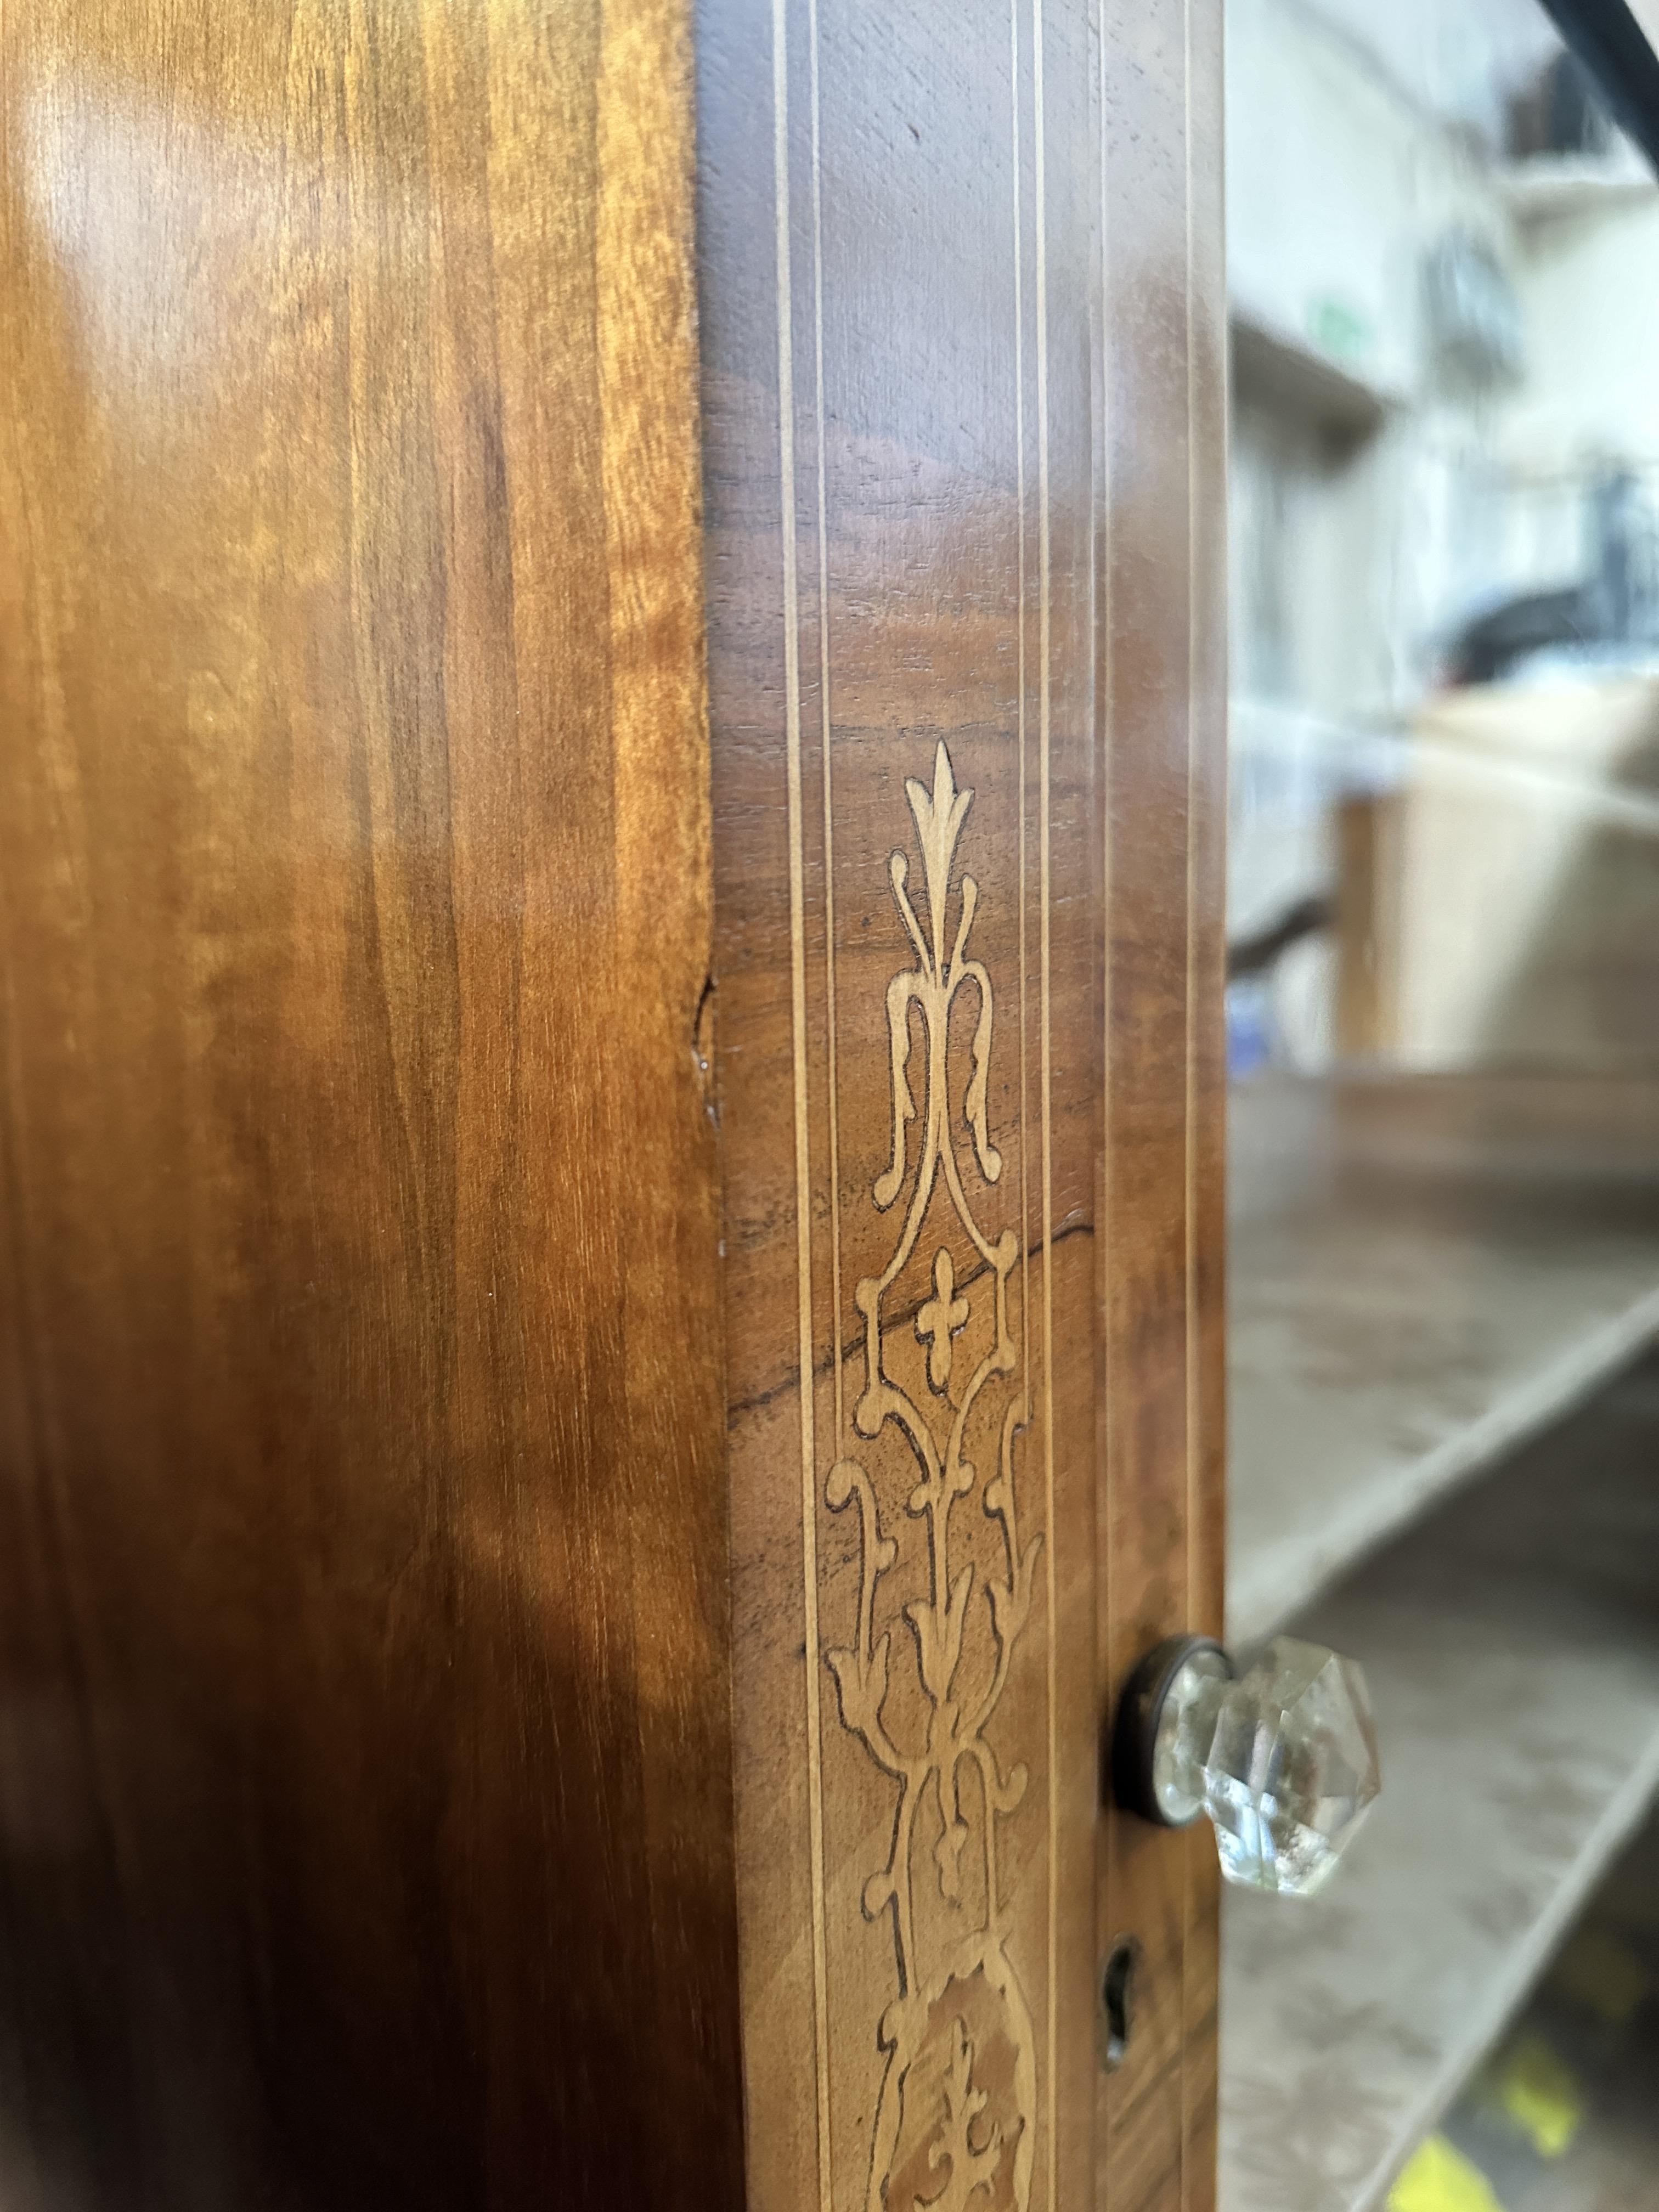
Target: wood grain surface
{"type": "Point", "coordinates": [364, 1796]}
{"type": "Point", "coordinates": [963, 437]}
{"type": "Point", "coordinates": [496, 1706]}
{"type": "Point", "coordinates": [1163, 719]}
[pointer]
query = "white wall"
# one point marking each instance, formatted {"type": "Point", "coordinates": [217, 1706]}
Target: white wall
{"type": "Point", "coordinates": [1589, 292]}
{"type": "Point", "coordinates": [1462, 59]}
{"type": "Point", "coordinates": [1355, 136]}
{"type": "Point", "coordinates": [1318, 162]}
{"type": "Point", "coordinates": [1360, 132]}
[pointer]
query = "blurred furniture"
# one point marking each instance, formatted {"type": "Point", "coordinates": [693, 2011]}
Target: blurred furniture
{"type": "Point", "coordinates": [1496, 903]}
{"type": "Point", "coordinates": [1443, 1263]}
{"type": "Point", "coordinates": [1437, 1283]}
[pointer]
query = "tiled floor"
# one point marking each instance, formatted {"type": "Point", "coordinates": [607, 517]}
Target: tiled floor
{"type": "Point", "coordinates": [1566, 2116]}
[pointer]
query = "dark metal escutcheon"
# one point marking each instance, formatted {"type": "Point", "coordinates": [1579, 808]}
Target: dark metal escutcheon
{"type": "Point", "coordinates": [1135, 1733]}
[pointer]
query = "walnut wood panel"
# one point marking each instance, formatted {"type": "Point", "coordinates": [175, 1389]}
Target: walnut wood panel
{"type": "Point", "coordinates": [960, 525]}
{"type": "Point", "coordinates": [393, 1757]}
{"type": "Point", "coordinates": [364, 1765]}
{"type": "Point", "coordinates": [1162, 686]}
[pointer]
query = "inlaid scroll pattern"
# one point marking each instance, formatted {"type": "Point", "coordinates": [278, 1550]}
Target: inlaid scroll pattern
{"type": "Point", "coordinates": [954, 2122]}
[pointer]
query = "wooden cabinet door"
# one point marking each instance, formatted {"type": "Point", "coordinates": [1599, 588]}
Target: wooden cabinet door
{"type": "Point", "coordinates": [963, 386]}
{"type": "Point", "coordinates": [610, 928]}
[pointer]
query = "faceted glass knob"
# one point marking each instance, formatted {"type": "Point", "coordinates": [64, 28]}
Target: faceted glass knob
{"type": "Point", "coordinates": [1283, 1759]}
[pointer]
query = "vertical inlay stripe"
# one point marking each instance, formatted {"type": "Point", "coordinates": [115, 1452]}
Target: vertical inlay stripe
{"type": "Point", "coordinates": [797, 1013]}
{"type": "Point", "coordinates": [1046, 1094]}
{"type": "Point", "coordinates": [1105, 1552]}
{"type": "Point", "coordinates": [1191, 1153]}
{"type": "Point", "coordinates": [832, 1084]}
{"type": "Point", "coordinates": [1019, 704]}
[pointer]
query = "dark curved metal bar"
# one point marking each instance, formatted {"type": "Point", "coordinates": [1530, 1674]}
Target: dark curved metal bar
{"type": "Point", "coordinates": [1619, 56]}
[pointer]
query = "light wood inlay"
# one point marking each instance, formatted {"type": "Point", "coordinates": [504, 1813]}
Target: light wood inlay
{"type": "Point", "coordinates": [943, 1975]}
{"type": "Point", "coordinates": [908, 369]}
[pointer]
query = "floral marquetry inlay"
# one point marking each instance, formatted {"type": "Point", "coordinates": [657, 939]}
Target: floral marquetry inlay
{"type": "Point", "coordinates": [955, 2125]}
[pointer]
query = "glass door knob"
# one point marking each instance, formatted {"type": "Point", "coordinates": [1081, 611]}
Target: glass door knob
{"type": "Point", "coordinates": [1283, 1758]}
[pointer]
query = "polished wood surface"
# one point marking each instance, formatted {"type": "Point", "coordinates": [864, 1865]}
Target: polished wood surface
{"type": "Point", "coordinates": [364, 1796]}
{"type": "Point", "coordinates": [964, 445]}
{"type": "Point", "coordinates": [899, 469]}
{"type": "Point", "coordinates": [1163, 717]}
{"type": "Point", "coordinates": [609, 1303]}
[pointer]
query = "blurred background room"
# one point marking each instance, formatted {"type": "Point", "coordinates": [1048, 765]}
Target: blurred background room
{"type": "Point", "coordinates": [1444, 1045]}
